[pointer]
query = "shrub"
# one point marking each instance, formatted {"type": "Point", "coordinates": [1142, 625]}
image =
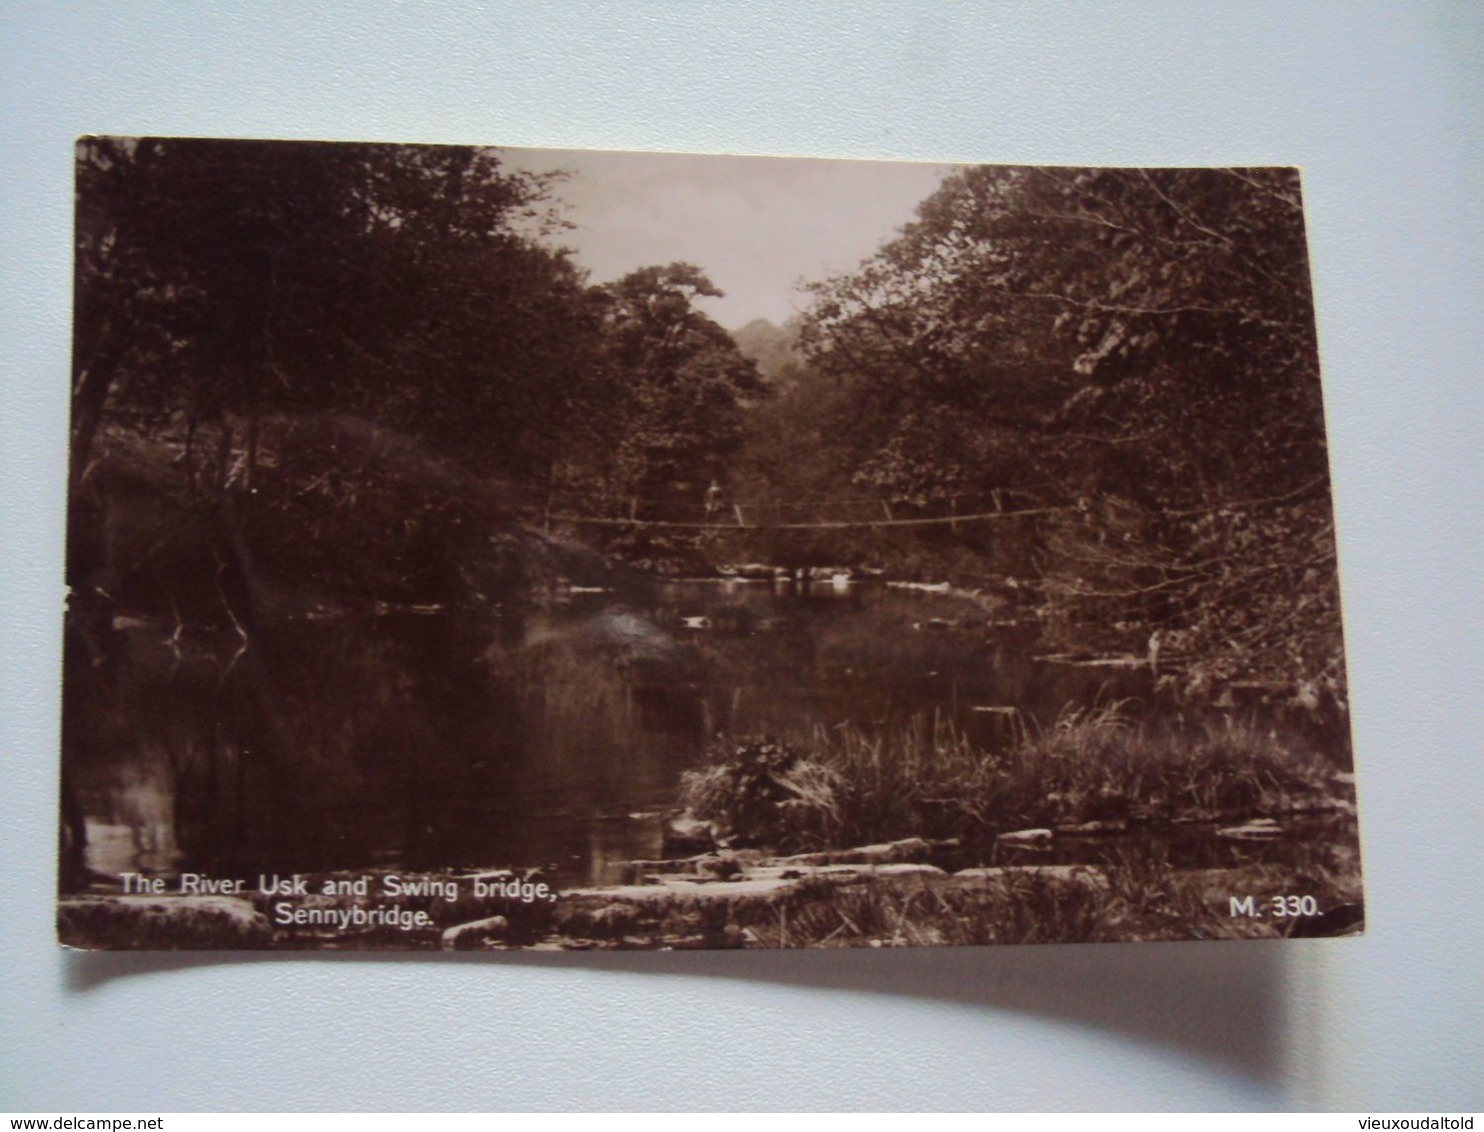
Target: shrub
{"type": "Point", "coordinates": [847, 785]}
{"type": "Point", "coordinates": [759, 790]}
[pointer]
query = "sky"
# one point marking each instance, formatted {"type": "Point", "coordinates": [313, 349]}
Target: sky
{"type": "Point", "coordinates": [756, 225]}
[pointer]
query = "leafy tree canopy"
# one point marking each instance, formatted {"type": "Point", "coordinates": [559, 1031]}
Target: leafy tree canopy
{"type": "Point", "coordinates": [385, 281]}
{"type": "Point", "coordinates": [1134, 349]}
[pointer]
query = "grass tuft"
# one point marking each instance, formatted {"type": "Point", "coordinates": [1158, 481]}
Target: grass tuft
{"type": "Point", "coordinates": [847, 785]}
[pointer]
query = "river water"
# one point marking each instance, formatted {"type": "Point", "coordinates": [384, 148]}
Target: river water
{"type": "Point", "coordinates": [551, 738]}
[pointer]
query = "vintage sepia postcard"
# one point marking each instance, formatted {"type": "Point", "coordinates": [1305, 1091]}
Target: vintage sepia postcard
{"type": "Point", "coordinates": [482, 548]}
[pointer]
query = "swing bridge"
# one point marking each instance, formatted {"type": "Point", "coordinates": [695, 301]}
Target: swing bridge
{"type": "Point", "coordinates": [772, 515]}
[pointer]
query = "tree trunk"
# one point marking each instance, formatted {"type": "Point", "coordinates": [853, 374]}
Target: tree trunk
{"type": "Point", "coordinates": [89, 399]}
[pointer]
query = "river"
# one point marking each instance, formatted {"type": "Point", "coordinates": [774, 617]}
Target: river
{"type": "Point", "coordinates": [552, 738]}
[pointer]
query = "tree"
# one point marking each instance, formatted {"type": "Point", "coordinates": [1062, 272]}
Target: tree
{"type": "Point", "coordinates": [663, 412]}
{"type": "Point", "coordinates": [676, 388]}
{"type": "Point", "coordinates": [774, 349]}
{"type": "Point", "coordinates": [1135, 350]}
{"type": "Point", "coordinates": [386, 319]}
{"type": "Point", "coordinates": [225, 278]}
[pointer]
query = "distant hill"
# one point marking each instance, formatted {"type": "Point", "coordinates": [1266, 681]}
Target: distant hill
{"type": "Point", "coordinates": [775, 349]}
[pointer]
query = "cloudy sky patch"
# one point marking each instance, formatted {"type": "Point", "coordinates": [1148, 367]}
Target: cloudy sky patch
{"type": "Point", "coordinates": [758, 226]}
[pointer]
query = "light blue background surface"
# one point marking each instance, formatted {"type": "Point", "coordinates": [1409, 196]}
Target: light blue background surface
{"type": "Point", "coordinates": [1380, 105]}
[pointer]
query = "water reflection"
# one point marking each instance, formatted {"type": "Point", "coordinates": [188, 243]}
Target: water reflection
{"type": "Point", "coordinates": [468, 739]}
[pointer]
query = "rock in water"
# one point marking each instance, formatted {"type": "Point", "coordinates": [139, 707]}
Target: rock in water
{"type": "Point", "coordinates": [1258, 830]}
{"type": "Point", "coordinates": [687, 834]}
{"type": "Point", "coordinates": [1027, 839]}
{"type": "Point", "coordinates": [466, 937]}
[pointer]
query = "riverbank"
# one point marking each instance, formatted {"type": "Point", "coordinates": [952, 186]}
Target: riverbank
{"type": "Point", "coordinates": [1092, 769]}
{"type": "Point", "coordinates": [1212, 838]}
{"type": "Point", "coordinates": [1102, 825]}
{"type": "Point", "coordinates": [528, 703]}
{"type": "Point", "coordinates": [872, 896]}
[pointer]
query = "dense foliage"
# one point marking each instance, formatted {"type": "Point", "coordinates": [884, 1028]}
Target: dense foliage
{"type": "Point", "coordinates": [1132, 353]}
{"type": "Point", "coordinates": [385, 346]}
{"type": "Point", "coordinates": [332, 346]}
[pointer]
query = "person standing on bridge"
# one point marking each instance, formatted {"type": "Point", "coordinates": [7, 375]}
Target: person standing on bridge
{"type": "Point", "coordinates": [713, 501]}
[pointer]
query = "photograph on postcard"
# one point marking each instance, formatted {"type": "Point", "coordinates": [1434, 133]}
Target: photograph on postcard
{"type": "Point", "coordinates": [482, 548]}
